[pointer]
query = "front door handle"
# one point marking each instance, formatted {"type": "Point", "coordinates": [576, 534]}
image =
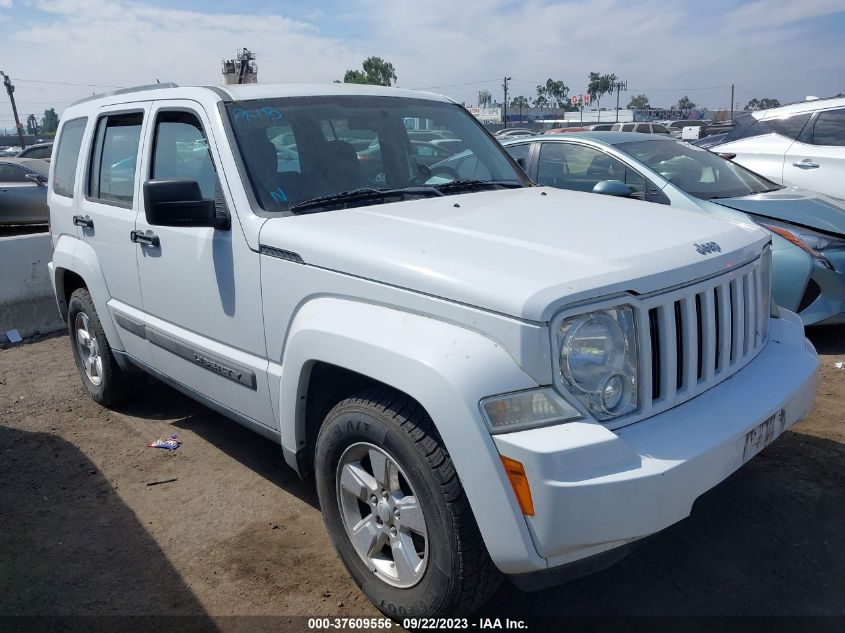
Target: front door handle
{"type": "Point", "coordinates": [86, 221]}
{"type": "Point", "coordinates": [148, 239]}
{"type": "Point", "coordinates": [806, 164]}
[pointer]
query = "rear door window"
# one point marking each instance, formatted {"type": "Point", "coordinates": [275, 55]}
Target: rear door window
{"type": "Point", "coordinates": [67, 155]}
{"type": "Point", "coordinates": [644, 128]}
{"type": "Point", "coordinates": [115, 158]}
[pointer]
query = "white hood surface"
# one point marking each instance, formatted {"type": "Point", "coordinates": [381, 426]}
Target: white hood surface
{"type": "Point", "coordinates": [519, 252]}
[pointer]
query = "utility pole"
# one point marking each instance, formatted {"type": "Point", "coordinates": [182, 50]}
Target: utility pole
{"type": "Point", "coordinates": [732, 103]}
{"type": "Point", "coordinates": [7, 81]}
{"type": "Point", "coordinates": [619, 85]}
{"type": "Point", "coordinates": [505, 104]}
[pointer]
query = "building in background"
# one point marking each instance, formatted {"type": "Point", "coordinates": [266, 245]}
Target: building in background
{"type": "Point", "coordinates": [487, 114]}
{"type": "Point", "coordinates": [241, 70]}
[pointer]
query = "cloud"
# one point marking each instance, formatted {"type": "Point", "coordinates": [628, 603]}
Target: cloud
{"type": "Point", "coordinates": [762, 14]}
{"type": "Point", "coordinates": [127, 42]}
{"type": "Point", "coordinates": [664, 48]}
{"type": "Point", "coordinates": [5, 4]}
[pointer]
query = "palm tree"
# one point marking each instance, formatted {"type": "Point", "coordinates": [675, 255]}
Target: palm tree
{"type": "Point", "coordinates": [519, 102]}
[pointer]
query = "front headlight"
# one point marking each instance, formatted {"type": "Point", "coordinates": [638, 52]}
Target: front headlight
{"type": "Point", "coordinates": [598, 360]}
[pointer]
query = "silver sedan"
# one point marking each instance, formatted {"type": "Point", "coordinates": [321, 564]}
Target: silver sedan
{"type": "Point", "coordinates": [23, 191]}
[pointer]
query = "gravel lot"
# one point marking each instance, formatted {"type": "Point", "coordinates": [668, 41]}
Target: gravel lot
{"type": "Point", "coordinates": [92, 522]}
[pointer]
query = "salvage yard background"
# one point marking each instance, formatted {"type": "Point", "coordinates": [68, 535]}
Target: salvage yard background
{"type": "Point", "coordinates": [92, 522]}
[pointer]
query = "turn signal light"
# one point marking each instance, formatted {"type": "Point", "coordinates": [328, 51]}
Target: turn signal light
{"type": "Point", "coordinates": [519, 483]}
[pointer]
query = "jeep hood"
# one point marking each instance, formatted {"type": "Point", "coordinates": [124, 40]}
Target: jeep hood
{"type": "Point", "coordinates": [520, 252]}
{"type": "Point", "coordinates": [794, 205]}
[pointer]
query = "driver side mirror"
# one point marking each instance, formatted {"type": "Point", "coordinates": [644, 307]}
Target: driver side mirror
{"type": "Point", "coordinates": [612, 188]}
{"type": "Point", "coordinates": [180, 203]}
{"type": "Point", "coordinates": [38, 179]}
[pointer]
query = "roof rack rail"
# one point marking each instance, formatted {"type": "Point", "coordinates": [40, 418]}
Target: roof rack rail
{"type": "Point", "coordinates": [122, 91]}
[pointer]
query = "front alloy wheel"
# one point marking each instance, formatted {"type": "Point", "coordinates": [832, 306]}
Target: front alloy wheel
{"type": "Point", "coordinates": [381, 515]}
{"type": "Point", "coordinates": [102, 376]}
{"type": "Point", "coordinates": [395, 510]}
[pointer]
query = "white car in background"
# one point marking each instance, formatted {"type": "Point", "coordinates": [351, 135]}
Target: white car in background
{"type": "Point", "coordinates": [801, 145]}
{"type": "Point", "coordinates": [642, 128]}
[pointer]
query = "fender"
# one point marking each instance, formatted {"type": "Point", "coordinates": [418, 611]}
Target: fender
{"type": "Point", "coordinates": [77, 256]}
{"type": "Point", "coordinates": [447, 369]}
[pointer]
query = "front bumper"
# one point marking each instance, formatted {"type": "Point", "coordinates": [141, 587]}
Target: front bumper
{"type": "Point", "coordinates": [829, 307]}
{"type": "Point", "coordinates": [596, 489]}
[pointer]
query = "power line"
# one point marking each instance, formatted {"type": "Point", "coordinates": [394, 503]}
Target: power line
{"type": "Point", "coordinates": [466, 83]}
{"type": "Point", "coordinates": [36, 103]}
{"type": "Point", "coordinates": [677, 89]}
{"type": "Point", "coordinates": [67, 83]}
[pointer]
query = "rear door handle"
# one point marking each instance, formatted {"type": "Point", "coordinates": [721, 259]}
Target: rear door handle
{"type": "Point", "coordinates": [86, 221]}
{"type": "Point", "coordinates": [806, 164]}
{"type": "Point", "coordinates": [148, 239]}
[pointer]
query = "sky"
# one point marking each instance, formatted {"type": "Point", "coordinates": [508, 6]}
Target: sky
{"type": "Point", "coordinates": [785, 49]}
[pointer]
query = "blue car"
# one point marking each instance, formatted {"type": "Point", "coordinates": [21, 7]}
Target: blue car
{"type": "Point", "coordinates": [808, 229]}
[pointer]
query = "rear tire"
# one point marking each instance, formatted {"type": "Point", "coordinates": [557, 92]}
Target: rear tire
{"type": "Point", "coordinates": [102, 376]}
{"type": "Point", "coordinates": [395, 509]}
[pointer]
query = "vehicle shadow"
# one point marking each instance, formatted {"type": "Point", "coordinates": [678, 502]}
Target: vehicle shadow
{"type": "Point", "coordinates": [73, 556]}
{"type": "Point", "coordinates": [828, 339]}
{"type": "Point", "coordinates": [767, 541]}
{"type": "Point", "coordinates": [257, 453]}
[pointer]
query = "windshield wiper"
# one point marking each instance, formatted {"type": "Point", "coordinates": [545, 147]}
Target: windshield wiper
{"type": "Point", "coordinates": [469, 183]}
{"type": "Point", "coordinates": [344, 198]}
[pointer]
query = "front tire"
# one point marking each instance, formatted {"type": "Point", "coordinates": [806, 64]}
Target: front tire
{"type": "Point", "coordinates": [395, 509]}
{"type": "Point", "coordinates": [106, 383]}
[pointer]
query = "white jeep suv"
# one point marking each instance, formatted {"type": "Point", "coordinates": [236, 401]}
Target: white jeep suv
{"type": "Point", "coordinates": [484, 377]}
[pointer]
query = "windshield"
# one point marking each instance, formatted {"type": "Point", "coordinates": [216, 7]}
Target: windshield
{"type": "Point", "coordinates": [697, 171]}
{"type": "Point", "coordinates": [300, 150]}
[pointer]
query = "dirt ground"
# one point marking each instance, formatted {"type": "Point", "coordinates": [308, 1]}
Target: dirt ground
{"type": "Point", "coordinates": [92, 522]}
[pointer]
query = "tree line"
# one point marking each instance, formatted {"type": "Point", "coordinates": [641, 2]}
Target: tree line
{"type": "Point", "coordinates": [46, 126]}
{"type": "Point", "coordinates": [552, 94]}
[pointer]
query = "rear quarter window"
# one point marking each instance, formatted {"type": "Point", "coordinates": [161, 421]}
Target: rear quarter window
{"type": "Point", "coordinates": [67, 155]}
{"type": "Point", "coordinates": [830, 128]}
{"type": "Point", "coordinates": [788, 126]}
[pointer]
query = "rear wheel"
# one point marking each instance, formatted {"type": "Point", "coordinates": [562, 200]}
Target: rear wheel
{"type": "Point", "coordinates": [105, 381]}
{"type": "Point", "coordinates": [395, 510]}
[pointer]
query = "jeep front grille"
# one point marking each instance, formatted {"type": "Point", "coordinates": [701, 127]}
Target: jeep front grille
{"type": "Point", "coordinates": [694, 337]}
